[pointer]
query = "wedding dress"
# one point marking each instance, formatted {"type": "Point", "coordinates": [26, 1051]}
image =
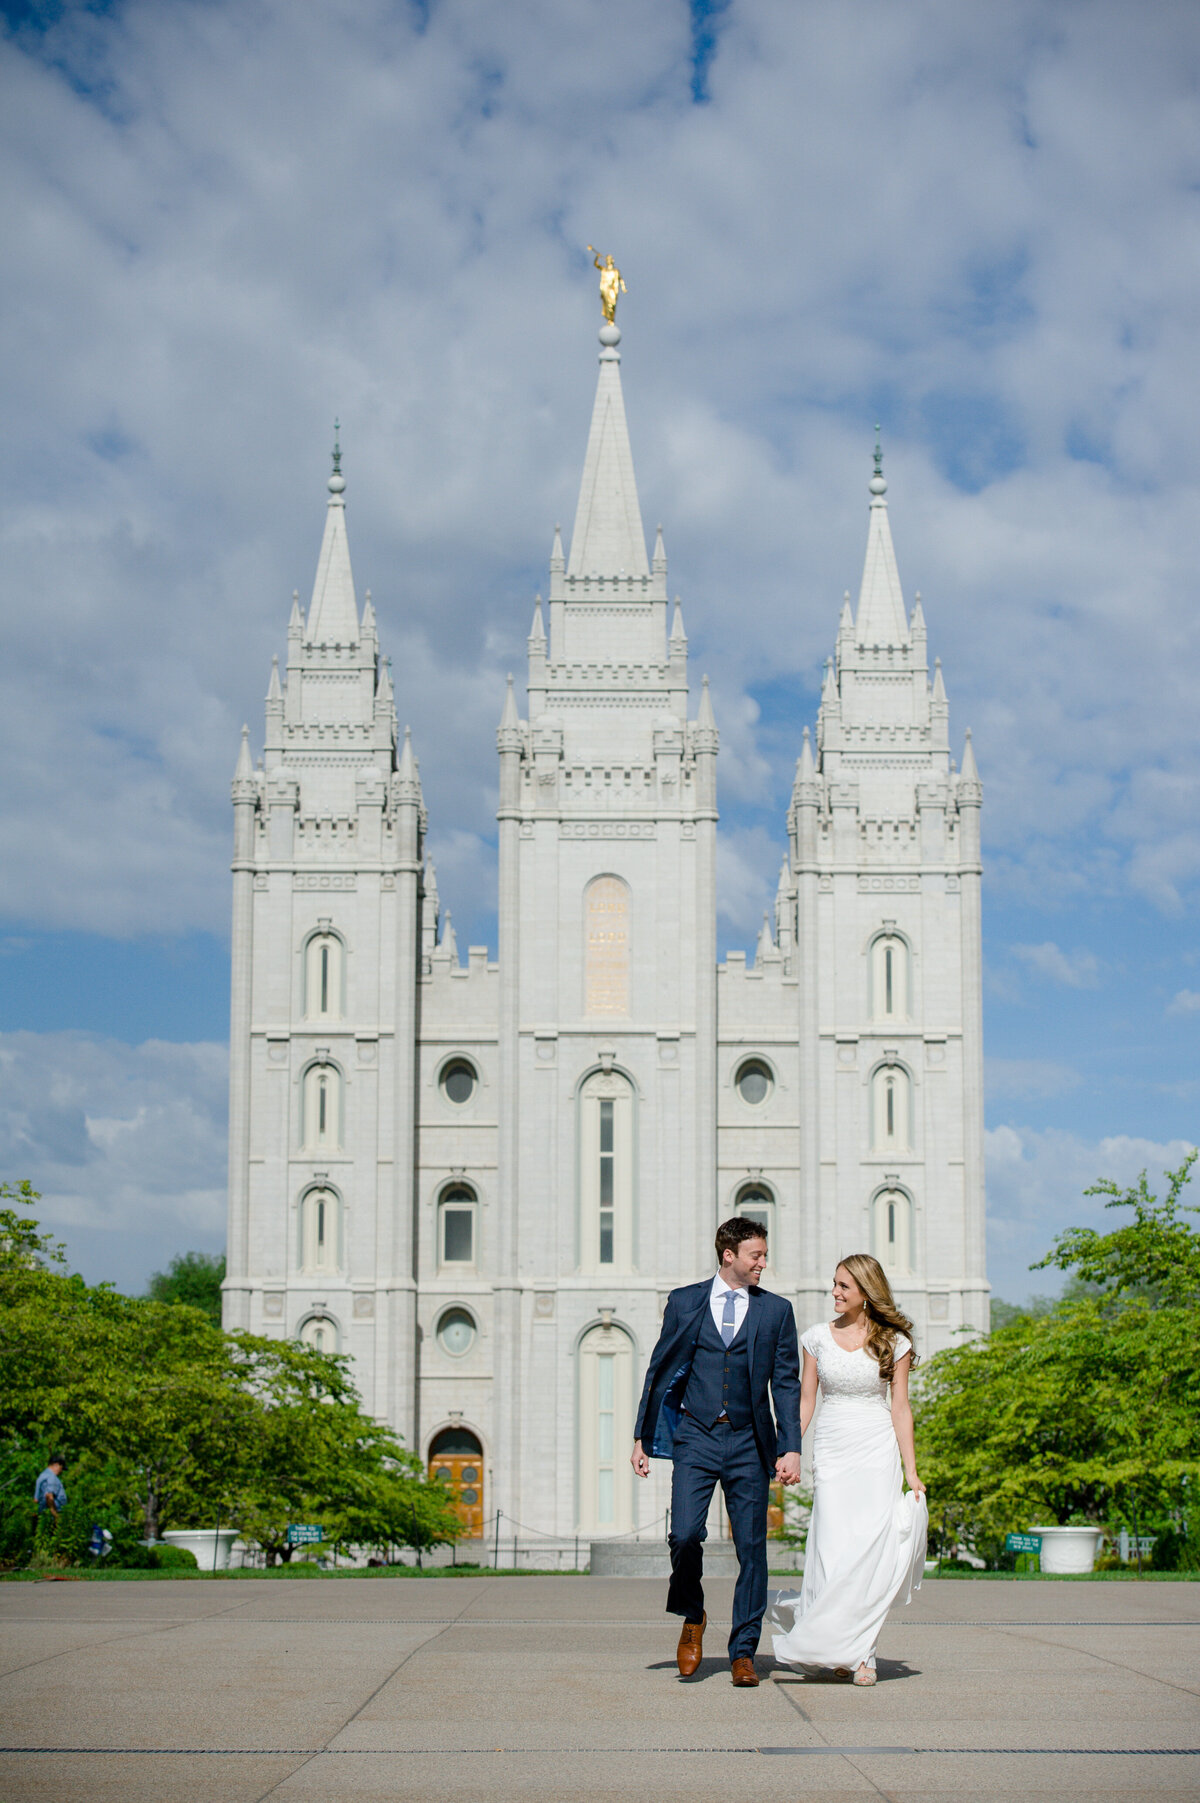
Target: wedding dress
{"type": "Point", "coordinates": [866, 1540]}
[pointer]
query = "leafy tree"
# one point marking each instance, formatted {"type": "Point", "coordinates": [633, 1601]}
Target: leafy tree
{"type": "Point", "coordinates": [1087, 1410]}
{"type": "Point", "coordinates": [194, 1278]}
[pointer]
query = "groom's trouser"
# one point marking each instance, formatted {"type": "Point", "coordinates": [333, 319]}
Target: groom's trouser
{"type": "Point", "coordinates": [705, 1457]}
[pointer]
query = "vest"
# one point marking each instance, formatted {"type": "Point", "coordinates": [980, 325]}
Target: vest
{"type": "Point", "coordinates": [719, 1383]}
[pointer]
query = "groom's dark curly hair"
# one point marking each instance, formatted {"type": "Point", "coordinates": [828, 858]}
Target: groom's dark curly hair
{"type": "Point", "coordinates": [731, 1233]}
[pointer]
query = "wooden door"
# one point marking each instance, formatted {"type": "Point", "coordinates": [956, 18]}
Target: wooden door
{"type": "Point", "coordinates": [462, 1475]}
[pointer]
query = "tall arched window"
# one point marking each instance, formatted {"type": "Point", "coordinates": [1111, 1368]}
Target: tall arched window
{"type": "Point", "coordinates": [756, 1201]}
{"type": "Point", "coordinates": [606, 946]}
{"type": "Point", "coordinates": [889, 977]}
{"type": "Point", "coordinates": [606, 1173]}
{"type": "Point", "coordinates": [320, 1333]}
{"type": "Point", "coordinates": [457, 1225]}
{"type": "Point", "coordinates": [320, 1232]}
{"type": "Point", "coordinates": [324, 977]}
{"type": "Point", "coordinates": [891, 1231]}
{"type": "Point", "coordinates": [322, 1108]}
{"type": "Point", "coordinates": [891, 1109]}
{"type": "Point", "coordinates": [606, 1376]}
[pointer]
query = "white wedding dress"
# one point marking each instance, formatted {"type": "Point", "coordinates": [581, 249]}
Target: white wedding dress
{"type": "Point", "coordinates": [866, 1540]}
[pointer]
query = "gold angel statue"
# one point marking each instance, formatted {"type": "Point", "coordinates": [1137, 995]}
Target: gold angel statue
{"type": "Point", "coordinates": [611, 284]}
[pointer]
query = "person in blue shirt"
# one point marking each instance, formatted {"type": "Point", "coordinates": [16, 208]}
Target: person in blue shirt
{"type": "Point", "coordinates": [48, 1492]}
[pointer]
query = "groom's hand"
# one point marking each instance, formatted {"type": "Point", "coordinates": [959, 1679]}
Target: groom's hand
{"type": "Point", "coordinates": [787, 1469]}
{"type": "Point", "coordinates": [639, 1461]}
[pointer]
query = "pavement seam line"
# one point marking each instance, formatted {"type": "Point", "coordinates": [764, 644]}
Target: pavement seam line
{"type": "Point", "coordinates": [169, 1627]}
{"type": "Point", "coordinates": [1186, 1690]}
{"type": "Point", "coordinates": [355, 1713]}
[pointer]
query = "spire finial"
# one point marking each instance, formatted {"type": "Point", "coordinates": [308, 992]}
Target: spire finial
{"type": "Point", "coordinates": [337, 482]}
{"type": "Point", "coordinates": [878, 485]}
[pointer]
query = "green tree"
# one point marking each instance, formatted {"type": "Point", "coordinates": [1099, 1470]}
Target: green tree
{"type": "Point", "coordinates": [1089, 1409]}
{"type": "Point", "coordinates": [194, 1278]}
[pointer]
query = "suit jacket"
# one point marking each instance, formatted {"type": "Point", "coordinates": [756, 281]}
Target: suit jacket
{"type": "Point", "coordinates": [773, 1357]}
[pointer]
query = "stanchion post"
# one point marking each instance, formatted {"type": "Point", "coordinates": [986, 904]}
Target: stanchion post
{"type": "Point", "coordinates": [496, 1547]}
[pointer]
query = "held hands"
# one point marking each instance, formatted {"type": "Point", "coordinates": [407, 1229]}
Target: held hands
{"type": "Point", "coordinates": [787, 1469]}
{"type": "Point", "coordinates": [639, 1461]}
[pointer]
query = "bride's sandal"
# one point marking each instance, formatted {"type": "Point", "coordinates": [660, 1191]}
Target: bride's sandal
{"type": "Point", "coordinates": [864, 1676]}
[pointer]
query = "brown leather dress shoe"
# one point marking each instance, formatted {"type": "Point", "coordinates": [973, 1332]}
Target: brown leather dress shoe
{"type": "Point", "coordinates": [744, 1674]}
{"type": "Point", "coordinates": [691, 1645]}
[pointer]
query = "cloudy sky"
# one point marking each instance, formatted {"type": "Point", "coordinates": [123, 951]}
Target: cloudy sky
{"type": "Point", "coordinates": [229, 222]}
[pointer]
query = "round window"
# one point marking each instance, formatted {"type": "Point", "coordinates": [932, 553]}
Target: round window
{"type": "Point", "coordinates": [456, 1332]}
{"type": "Point", "coordinates": [458, 1081]}
{"type": "Point", "coordinates": [754, 1082]}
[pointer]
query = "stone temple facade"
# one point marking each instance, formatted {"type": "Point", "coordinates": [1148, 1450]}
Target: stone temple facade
{"type": "Point", "coordinates": [481, 1178]}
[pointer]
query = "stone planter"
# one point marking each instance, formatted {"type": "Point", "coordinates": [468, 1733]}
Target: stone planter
{"type": "Point", "coordinates": [201, 1542]}
{"type": "Point", "coordinates": [1069, 1549]}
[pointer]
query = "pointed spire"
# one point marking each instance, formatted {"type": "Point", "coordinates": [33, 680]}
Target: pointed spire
{"type": "Point", "coordinates": [537, 632]}
{"type": "Point", "coordinates": [608, 539]}
{"type": "Point", "coordinates": [274, 692]}
{"type": "Point", "coordinates": [881, 617]}
{"type": "Point", "coordinates": [806, 769]}
{"type": "Point", "coordinates": [916, 624]}
{"type": "Point", "coordinates": [829, 688]}
{"type": "Point", "coordinates": [704, 715]}
{"type": "Point", "coordinates": [766, 940]}
{"type": "Point", "coordinates": [558, 562]}
{"type": "Point", "coordinates": [939, 686]}
{"type": "Point", "coordinates": [678, 634]}
{"type": "Point", "coordinates": [510, 720]}
{"type": "Point", "coordinates": [244, 771]}
{"type": "Point", "coordinates": [970, 769]}
{"type": "Point", "coordinates": [431, 883]}
{"type": "Point", "coordinates": [368, 619]}
{"type": "Point", "coordinates": [846, 623]}
{"type": "Point", "coordinates": [659, 565]}
{"type": "Point", "coordinates": [448, 943]}
{"type": "Point", "coordinates": [407, 768]}
{"type": "Point", "coordinates": [333, 614]}
{"type": "Point", "coordinates": [785, 871]}
{"type": "Point", "coordinates": [296, 618]}
{"type": "Point", "coordinates": [384, 691]}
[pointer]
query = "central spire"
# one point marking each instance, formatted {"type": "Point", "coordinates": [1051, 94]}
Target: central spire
{"type": "Point", "coordinates": [608, 539]}
{"type": "Point", "coordinates": [333, 612]}
{"type": "Point", "coordinates": [881, 619]}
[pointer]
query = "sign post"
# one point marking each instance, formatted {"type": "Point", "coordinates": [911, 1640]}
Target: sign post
{"type": "Point", "coordinates": [1024, 1543]}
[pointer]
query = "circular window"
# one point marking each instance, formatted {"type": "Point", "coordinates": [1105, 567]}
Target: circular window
{"type": "Point", "coordinates": [456, 1332]}
{"type": "Point", "coordinates": [458, 1081]}
{"type": "Point", "coordinates": [754, 1082]}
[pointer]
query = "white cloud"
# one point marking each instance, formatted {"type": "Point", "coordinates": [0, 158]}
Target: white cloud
{"type": "Point", "coordinates": [1078, 969]}
{"type": "Point", "coordinates": [1035, 1183]}
{"type": "Point", "coordinates": [224, 227]}
{"type": "Point", "coordinates": [1185, 1001]}
{"type": "Point", "coordinates": [126, 1145]}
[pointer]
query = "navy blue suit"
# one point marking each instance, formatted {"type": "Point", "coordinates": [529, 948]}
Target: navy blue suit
{"type": "Point", "coordinates": [692, 1380]}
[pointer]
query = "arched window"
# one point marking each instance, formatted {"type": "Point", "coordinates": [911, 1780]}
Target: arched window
{"type": "Point", "coordinates": [320, 1333]}
{"type": "Point", "coordinates": [322, 1108]}
{"type": "Point", "coordinates": [324, 977]}
{"type": "Point", "coordinates": [891, 1231]}
{"type": "Point", "coordinates": [889, 977]}
{"type": "Point", "coordinates": [754, 1082]}
{"type": "Point", "coordinates": [457, 1226]}
{"type": "Point", "coordinates": [891, 1109]}
{"type": "Point", "coordinates": [756, 1201]}
{"type": "Point", "coordinates": [606, 1375]}
{"type": "Point", "coordinates": [606, 946]}
{"type": "Point", "coordinates": [320, 1232]}
{"type": "Point", "coordinates": [606, 1173]}
{"type": "Point", "coordinates": [456, 1461]}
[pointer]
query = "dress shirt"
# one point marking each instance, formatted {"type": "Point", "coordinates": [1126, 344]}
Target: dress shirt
{"type": "Point", "coordinates": [716, 1302]}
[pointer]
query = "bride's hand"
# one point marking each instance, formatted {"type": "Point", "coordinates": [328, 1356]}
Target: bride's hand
{"type": "Point", "coordinates": [915, 1484]}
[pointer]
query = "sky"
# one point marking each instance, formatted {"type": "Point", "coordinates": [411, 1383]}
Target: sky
{"type": "Point", "coordinates": [228, 224]}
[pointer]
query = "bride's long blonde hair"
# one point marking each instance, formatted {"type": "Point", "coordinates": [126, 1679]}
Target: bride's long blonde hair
{"type": "Point", "coordinates": [884, 1317]}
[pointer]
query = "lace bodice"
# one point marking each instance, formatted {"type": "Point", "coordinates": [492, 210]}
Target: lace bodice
{"type": "Point", "coordinates": [847, 1376]}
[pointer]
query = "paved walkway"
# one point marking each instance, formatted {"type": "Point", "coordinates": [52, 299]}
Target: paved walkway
{"type": "Point", "coordinates": [566, 1688]}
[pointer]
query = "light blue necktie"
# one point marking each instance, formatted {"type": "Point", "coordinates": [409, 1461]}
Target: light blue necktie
{"type": "Point", "coordinates": [728, 1320]}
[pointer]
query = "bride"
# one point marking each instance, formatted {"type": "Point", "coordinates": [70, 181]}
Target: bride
{"type": "Point", "coordinates": [866, 1541]}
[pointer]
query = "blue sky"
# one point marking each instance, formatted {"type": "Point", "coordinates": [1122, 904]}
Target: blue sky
{"type": "Point", "coordinates": [228, 223]}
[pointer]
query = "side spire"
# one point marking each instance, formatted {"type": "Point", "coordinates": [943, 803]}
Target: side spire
{"type": "Point", "coordinates": [609, 539]}
{"type": "Point", "coordinates": [881, 617]}
{"type": "Point", "coordinates": [333, 615]}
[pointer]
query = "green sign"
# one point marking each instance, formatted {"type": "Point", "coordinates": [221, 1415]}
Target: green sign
{"type": "Point", "coordinates": [305, 1534]}
{"type": "Point", "coordinates": [1023, 1543]}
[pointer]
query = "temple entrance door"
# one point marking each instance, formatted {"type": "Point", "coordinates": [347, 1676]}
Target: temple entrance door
{"type": "Point", "coordinates": [456, 1462]}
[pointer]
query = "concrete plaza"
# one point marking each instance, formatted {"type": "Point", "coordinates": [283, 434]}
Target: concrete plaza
{"type": "Point", "coordinates": [556, 1688]}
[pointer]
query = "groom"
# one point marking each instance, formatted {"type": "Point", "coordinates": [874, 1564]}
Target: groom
{"type": "Point", "coordinates": [705, 1406]}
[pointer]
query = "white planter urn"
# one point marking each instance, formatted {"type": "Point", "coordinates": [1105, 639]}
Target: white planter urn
{"type": "Point", "coordinates": [211, 1546]}
{"type": "Point", "coordinates": [1069, 1549]}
